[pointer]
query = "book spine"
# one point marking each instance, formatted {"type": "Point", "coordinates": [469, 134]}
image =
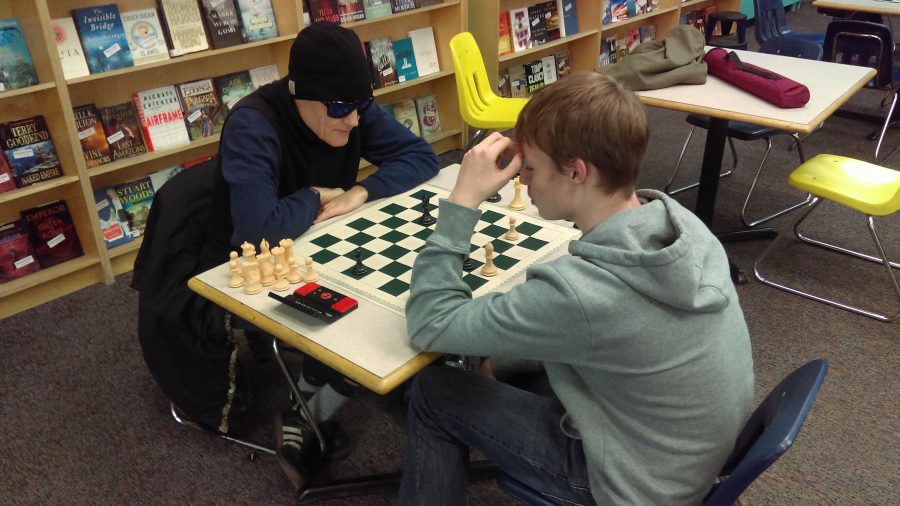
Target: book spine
{"type": "Point", "coordinates": [142, 118]}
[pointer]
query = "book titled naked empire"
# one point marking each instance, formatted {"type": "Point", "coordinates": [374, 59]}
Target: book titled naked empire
{"type": "Point", "coordinates": [145, 36]}
{"type": "Point", "coordinates": [162, 119]}
{"type": "Point", "coordinates": [103, 38]}
{"type": "Point", "coordinates": [202, 108]}
{"type": "Point", "coordinates": [52, 233]}
{"type": "Point", "coordinates": [92, 135]}
{"type": "Point", "coordinates": [183, 25]}
{"type": "Point", "coordinates": [29, 151]}
{"type": "Point", "coordinates": [223, 23]}
{"type": "Point", "coordinates": [123, 130]}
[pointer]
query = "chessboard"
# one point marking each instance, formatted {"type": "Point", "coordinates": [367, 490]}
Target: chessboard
{"type": "Point", "coordinates": [389, 237]}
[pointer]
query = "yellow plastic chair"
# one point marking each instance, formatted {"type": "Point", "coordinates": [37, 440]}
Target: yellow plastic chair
{"type": "Point", "coordinates": [865, 187]}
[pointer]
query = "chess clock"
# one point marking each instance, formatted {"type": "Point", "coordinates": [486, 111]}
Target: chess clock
{"type": "Point", "coordinates": [316, 300]}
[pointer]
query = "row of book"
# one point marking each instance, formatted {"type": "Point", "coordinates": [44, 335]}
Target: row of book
{"type": "Point", "coordinates": [43, 237]}
{"type": "Point", "coordinates": [419, 115]}
{"type": "Point", "coordinates": [99, 39]}
{"type": "Point", "coordinates": [614, 48]}
{"type": "Point", "coordinates": [697, 18]}
{"type": "Point", "coordinates": [531, 26]}
{"type": "Point", "coordinates": [523, 80]}
{"type": "Point", "coordinates": [348, 11]}
{"type": "Point", "coordinates": [620, 10]}
{"type": "Point", "coordinates": [401, 60]}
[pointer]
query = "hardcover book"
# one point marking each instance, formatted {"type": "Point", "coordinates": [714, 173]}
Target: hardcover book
{"type": "Point", "coordinates": [258, 19]}
{"type": "Point", "coordinates": [375, 9]}
{"type": "Point", "coordinates": [568, 17]}
{"type": "Point", "coordinates": [7, 182]}
{"type": "Point", "coordinates": [351, 10]}
{"type": "Point", "coordinates": [223, 24]}
{"type": "Point", "coordinates": [233, 87]}
{"type": "Point", "coordinates": [504, 37]}
{"type": "Point", "coordinates": [162, 176]}
{"type": "Point", "coordinates": [537, 25]}
{"type": "Point", "coordinates": [381, 59]}
{"type": "Point", "coordinates": [405, 58]}
{"type": "Point", "coordinates": [405, 114]}
{"type": "Point", "coordinates": [549, 67]}
{"type": "Point", "coordinates": [71, 55]}
{"type": "Point", "coordinates": [534, 74]}
{"type": "Point", "coordinates": [17, 257]}
{"type": "Point", "coordinates": [136, 198]}
{"type": "Point", "coordinates": [17, 70]}
{"type": "Point", "coordinates": [123, 130]}
{"type": "Point", "coordinates": [618, 10]}
{"type": "Point", "coordinates": [425, 51]}
{"type": "Point", "coordinates": [29, 151]}
{"type": "Point", "coordinates": [103, 38]}
{"type": "Point", "coordinates": [503, 85]}
{"type": "Point", "coordinates": [261, 76]}
{"type": "Point", "coordinates": [402, 5]}
{"type": "Point", "coordinates": [551, 16]}
{"type": "Point", "coordinates": [518, 84]}
{"type": "Point", "coordinates": [92, 135]}
{"type": "Point", "coordinates": [161, 117]}
{"type": "Point", "coordinates": [113, 223]}
{"type": "Point", "coordinates": [145, 36]}
{"type": "Point", "coordinates": [521, 31]}
{"type": "Point", "coordinates": [563, 64]}
{"type": "Point", "coordinates": [183, 24]}
{"type": "Point", "coordinates": [324, 10]}
{"type": "Point", "coordinates": [429, 119]}
{"type": "Point", "coordinates": [52, 233]}
{"type": "Point", "coordinates": [202, 108]}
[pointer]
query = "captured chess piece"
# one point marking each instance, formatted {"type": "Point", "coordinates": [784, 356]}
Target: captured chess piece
{"type": "Point", "coordinates": [518, 203]}
{"type": "Point", "coordinates": [426, 220]}
{"type": "Point", "coordinates": [359, 269]}
{"type": "Point", "coordinates": [489, 269]}
{"type": "Point", "coordinates": [468, 264]}
{"type": "Point", "coordinates": [512, 234]}
{"type": "Point", "coordinates": [494, 198]}
{"type": "Point", "coordinates": [236, 278]}
{"type": "Point", "coordinates": [310, 276]}
{"type": "Point", "coordinates": [281, 282]}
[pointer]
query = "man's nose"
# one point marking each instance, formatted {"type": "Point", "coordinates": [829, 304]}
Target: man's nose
{"type": "Point", "coordinates": [352, 119]}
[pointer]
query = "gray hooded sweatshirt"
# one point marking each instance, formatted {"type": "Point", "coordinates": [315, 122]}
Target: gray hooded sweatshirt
{"type": "Point", "coordinates": [639, 330]}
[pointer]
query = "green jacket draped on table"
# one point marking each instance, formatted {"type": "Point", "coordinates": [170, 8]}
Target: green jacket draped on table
{"type": "Point", "coordinates": [678, 59]}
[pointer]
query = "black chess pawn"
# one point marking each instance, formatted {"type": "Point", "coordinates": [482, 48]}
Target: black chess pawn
{"type": "Point", "coordinates": [359, 269]}
{"type": "Point", "coordinates": [426, 219]}
{"type": "Point", "coordinates": [494, 198]}
{"type": "Point", "coordinates": [468, 264]}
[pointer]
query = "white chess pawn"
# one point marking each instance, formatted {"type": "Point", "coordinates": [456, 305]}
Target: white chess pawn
{"type": "Point", "coordinates": [281, 282]}
{"type": "Point", "coordinates": [293, 275]}
{"type": "Point", "coordinates": [489, 269]}
{"type": "Point", "coordinates": [310, 275]}
{"type": "Point", "coordinates": [236, 278]}
{"type": "Point", "coordinates": [512, 234]}
{"type": "Point", "coordinates": [518, 203]}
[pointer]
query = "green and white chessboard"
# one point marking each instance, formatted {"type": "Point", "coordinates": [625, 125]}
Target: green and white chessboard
{"type": "Point", "coordinates": [390, 239]}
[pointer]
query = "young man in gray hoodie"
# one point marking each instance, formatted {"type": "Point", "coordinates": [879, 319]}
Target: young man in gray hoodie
{"type": "Point", "coordinates": [638, 329]}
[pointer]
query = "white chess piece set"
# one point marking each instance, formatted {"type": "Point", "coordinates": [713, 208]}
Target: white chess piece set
{"type": "Point", "coordinates": [276, 267]}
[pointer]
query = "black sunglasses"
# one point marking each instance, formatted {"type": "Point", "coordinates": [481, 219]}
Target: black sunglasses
{"type": "Point", "coordinates": [337, 109]}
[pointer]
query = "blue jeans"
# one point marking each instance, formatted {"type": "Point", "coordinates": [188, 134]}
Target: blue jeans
{"type": "Point", "coordinates": [451, 411]}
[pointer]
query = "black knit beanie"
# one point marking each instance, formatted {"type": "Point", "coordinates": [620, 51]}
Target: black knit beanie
{"type": "Point", "coordinates": [328, 63]}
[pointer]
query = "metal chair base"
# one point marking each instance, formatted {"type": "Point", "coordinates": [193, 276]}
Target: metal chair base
{"type": "Point", "coordinates": [188, 423]}
{"type": "Point", "coordinates": [882, 259]}
{"type": "Point", "coordinates": [667, 189]}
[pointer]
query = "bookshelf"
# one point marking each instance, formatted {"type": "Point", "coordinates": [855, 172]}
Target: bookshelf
{"type": "Point", "coordinates": [584, 46]}
{"type": "Point", "coordinates": [54, 97]}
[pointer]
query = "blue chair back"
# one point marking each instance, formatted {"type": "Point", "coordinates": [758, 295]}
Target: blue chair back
{"type": "Point", "coordinates": [861, 43]}
{"type": "Point", "coordinates": [769, 20]}
{"type": "Point", "coordinates": [789, 46]}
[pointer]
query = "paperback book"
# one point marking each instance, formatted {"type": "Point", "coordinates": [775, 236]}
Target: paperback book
{"type": "Point", "coordinates": [183, 24]}
{"type": "Point", "coordinates": [162, 176]}
{"type": "Point", "coordinates": [534, 74]}
{"type": "Point", "coordinates": [351, 10]}
{"type": "Point", "coordinates": [405, 59]}
{"type": "Point", "coordinates": [518, 84]}
{"type": "Point", "coordinates": [233, 87]}
{"type": "Point", "coordinates": [537, 25]}
{"type": "Point", "coordinates": [29, 151]}
{"type": "Point", "coordinates": [261, 76]}
{"type": "Point", "coordinates": [161, 117]}
{"type": "Point", "coordinates": [383, 64]}
{"type": "Point", "coordinates": [521, 31]}
{"type": "Point", "coordinates": [136, 198]}
{"type": "Point", "coordinates": [425, 51]}
{"type": "Point", "coordinates": [52, 233]}
{"type": "Point", "coordinates": [549, 67]}
{"type": "Point", "coordinates": [7, 182]}
{"type": "Point", "coordinates": [551, 16]}
{"type": "Point", "coordinates": [113, 223]}
{"type": "Point", "coordinates": [202, 108]}
{"type": "Point", "coordinates": [504, 36]}
{"type": "Point", "coordinates": [103, 38]}
{"type": "Point", "coordinates": [71, 54]}
{"type": "Point", "coordinates": [375, 9]}
{"type": "Point", "coordinates": [402, 5]}
{"type": "Point", "coordinates": [123, 130]}
{"type": "Point", "coordinates": [92, 135]}
{"type": "Point", "coordinates": [257, 19]}
{"type": "Point", "coordinates": [223, 23]}
{"type": "Point", "coordinates": [429, 119]}
{"type": "Point", "coordinates": [17, 70]}
{"type": "Point", "coordinates": [145, 36]}
{"type": "Point", "coordinates": [17, 257]}
{"type": "Point", "coordinates": [563, 63]}
{"type": "Point", "coordinates": [324, 10]}
{"type": "Point", "coordinates": [405, 114]}
{"type": "Point", "coordinates": [568, 17]}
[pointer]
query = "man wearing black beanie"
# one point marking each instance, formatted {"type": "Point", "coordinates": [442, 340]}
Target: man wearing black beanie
{"type": "Point", "coordinates": [288, 158]}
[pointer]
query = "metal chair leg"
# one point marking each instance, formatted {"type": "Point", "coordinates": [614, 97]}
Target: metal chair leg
{"type": "Point", "coordinates": [189, 423]}
{"type": "Point", "coordinates": [887, 122]}
{"type": "Point", "coordinates": [687, 141]}
{"type": "Point", "coordinates": [297, 395]}
{"type": "Point", "coordinates": [752, 223]}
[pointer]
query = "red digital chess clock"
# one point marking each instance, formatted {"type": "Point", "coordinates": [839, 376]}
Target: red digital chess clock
{"type": "Point", "coordinates": [316, 300]}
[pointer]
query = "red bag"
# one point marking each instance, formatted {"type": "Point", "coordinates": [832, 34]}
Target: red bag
{"type": "Point", "coordinates": [763, 83]}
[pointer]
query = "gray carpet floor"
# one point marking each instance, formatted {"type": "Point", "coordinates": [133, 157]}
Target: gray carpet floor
{"type": "Point", "coordinates": [82, 422]}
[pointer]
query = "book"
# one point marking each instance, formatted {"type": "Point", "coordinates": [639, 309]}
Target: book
{"type": "Point", "coordinates": [382, 62]}
{"type": "Point", "coordinates": [618, 10]}
{"type": "Point", "coordinates": [402, 5]}
{"type": "Point", "coordinates": [233, 87]}
{"type": "Point", "coordinates": [521, 31]}
{"type": "Point", "coordinates": [223, 23]}
{"type": "Point", "coordinates": [405, 58]}
{"type": "Point", "coordinates": [351, 10]}
{"type": "Point", "coordinates": [68, 46]}
{"type": "Point", "coordinates": [113, 224]}
{"type": "Point", "coordinates": [632, 38]}
{"type": "Point", "coordinates": [183, 26]}
{"type": "Point", "coordinates": [549, 66]}
{"type": "Point", "coordinates": [29, 151]}
{"type": "Point", "coordinates": [103, 38]}
{"type": "Point", "coordinates": [504, 40]}
{"type": "Point", "coordinates": [17, 257]}
{"type": "Point", "coordinates": [136, 198]}
{"type": "Point", "coordinates": [537, 25]}
{"type": "Point", "coordinates": [261, 76]}
{"type": "Point", "coordinates": [375, 9]}
{"type": "Point", "coordinates": [162, 176]}
{"type": "Point", "coordinates": [92, 135]}
{"type": "Point", "coordinates": [123, 130]}
{"type": "Point", "coordinates": [429, 119]}
{"type": "Point", "coordinates": [429, 3]}
{"type": "Point", "coordinates": [648, 33]}
{"type": "Point", "coordinates": [568, 17]}
{"type": "Point", "coordinates": [161, 118]}
{"type": "Point", "coordinates": [258, 20]}
{"type": "Point", "coordinates": [7, 181]}
{"type": "Point", "coordinates": [563, 63]}
{"type": "Point", "coordinates": [551, 16]}
{"type": "Point", "coordinates": [503, 86]}
{"type": "Point", "coordinates": [405, 114]}
{"type": "Point", "coordinates": [17, 69]}
{"type": "Point", "coordinates": [425, 51]}
{"type": "Point", "coordinates": [202, 108]}
{"type": "Point", "coordinates": [324, 10]}
{"type": "Point", "coordinates": [518, 84]}
{"type": "Point", "coordinates": [534, 75]}
{"type": "Point", "coordinates": [52, 233]}
{"type": "Point", "coordinates": [145, 36]}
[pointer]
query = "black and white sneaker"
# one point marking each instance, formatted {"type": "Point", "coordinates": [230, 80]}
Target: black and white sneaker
{"type": "Point", "coordinates": [298, 449]}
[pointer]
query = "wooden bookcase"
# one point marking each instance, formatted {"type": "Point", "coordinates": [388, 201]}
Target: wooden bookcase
{"type": "Point", "coordinates": [54, 97]}
{"type": "Point", "coordinates": [584, 46]}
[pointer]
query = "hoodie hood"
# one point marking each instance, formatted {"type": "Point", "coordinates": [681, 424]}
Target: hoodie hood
{"type": "Point", "coordinates": [658, 250]}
